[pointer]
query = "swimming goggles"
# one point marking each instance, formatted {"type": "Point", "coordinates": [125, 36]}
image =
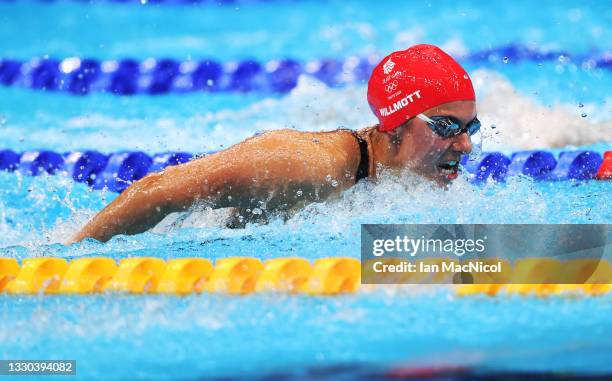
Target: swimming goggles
{"type": "Point", "coordinates": [447, 126]}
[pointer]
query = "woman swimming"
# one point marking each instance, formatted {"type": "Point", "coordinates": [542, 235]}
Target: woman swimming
{"type": "Point", "coordinates": [425, 104]}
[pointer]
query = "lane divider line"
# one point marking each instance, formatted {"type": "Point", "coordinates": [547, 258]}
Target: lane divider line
{"type": "Point", "coordinates": [155, 76]}
{"type": "Point", "coordinates": [117, 171]}
{"type": "Point", "coordinates": [292, 275]}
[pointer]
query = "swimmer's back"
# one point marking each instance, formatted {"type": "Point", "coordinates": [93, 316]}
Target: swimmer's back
{"type": "Point", "coordinates": [307, 156]}
{"type": "Point", "coordinates": [286, 167]}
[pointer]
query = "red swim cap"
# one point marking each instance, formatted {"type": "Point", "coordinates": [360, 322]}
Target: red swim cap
{"type": "Point", "coordinates": [406, 83]}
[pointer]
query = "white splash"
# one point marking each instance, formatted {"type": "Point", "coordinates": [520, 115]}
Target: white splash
{"type": "Point", "coordinates": [523, 123]}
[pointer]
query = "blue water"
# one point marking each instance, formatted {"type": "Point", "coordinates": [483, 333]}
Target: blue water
{"type": "Point", "coordinates": [533, 105]}
{"type": "Point", "coordinates": [313, 29]}
{"type": "Point", "coordinates": [183, 338]}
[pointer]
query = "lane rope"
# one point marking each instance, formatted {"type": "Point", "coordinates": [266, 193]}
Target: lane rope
{"type": "Point", "coordinates": [81, 76]}
{"type": "Point", "coordinates": [291, 275]}
{"type": "Point", "coordinates": [117, 171]}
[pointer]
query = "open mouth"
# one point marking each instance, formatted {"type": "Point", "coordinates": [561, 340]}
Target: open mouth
{"type": "Point", "coordinates": [449, 169]}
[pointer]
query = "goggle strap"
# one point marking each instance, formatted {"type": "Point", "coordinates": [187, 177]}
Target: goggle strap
{"type": "Point", "coordinates": [425, 118]}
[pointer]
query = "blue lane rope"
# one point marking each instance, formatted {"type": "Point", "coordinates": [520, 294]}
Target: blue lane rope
{"type": "Point", "coordinates": [538, 165]}
{"type": "Point", "coordinates": [118, 170]}
{"type": "Point", "coordinates": [161, 76]}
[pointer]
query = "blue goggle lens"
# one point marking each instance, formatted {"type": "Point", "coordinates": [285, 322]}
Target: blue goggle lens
{"type": "Point", "coordinates": [447, 128]}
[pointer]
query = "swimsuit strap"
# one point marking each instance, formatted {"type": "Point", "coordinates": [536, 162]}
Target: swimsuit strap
{"type": "Point", "coordinates": [364, 163]}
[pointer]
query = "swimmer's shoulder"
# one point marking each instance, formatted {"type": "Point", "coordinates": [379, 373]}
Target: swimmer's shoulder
{"type": "Point", "coordinates": [339, 142]}
{"type": "Point", "coordinates": [332, 137]}
{"type": "Point", "coordinates": [285, 134]}
{"type": "Point", "coordinates": [291, 137]}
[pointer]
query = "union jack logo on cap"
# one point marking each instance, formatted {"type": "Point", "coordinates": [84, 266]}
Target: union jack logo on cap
{"type": "Point", "coordinates": [388, 66]}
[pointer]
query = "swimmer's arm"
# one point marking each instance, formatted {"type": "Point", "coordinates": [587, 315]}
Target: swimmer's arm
{"type": "Point", "coordinates": [252, 170]}
{"type": "Point", "coordinates": [149, 200]}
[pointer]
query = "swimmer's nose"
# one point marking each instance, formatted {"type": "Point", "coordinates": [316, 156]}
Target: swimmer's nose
{"type": "Point", "coordinates": [462, 143]}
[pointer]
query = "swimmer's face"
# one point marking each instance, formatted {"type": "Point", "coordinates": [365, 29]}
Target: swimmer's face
{"type": "Point", "coordinates": [430, 155]}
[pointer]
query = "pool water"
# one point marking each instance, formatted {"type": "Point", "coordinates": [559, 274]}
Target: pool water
{"type": "Point", "coordinates": [554, 105]}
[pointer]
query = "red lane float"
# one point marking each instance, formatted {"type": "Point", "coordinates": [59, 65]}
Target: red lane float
{"type": "Point", "coordinates": [605, 170]}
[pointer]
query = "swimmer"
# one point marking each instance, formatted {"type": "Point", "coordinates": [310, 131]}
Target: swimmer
{"type": "Point", "coordinates": [425, 105]}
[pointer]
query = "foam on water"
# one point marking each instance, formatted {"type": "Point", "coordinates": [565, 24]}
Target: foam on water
{"type": "Point", "coordinates": [42, 212]}
{"type": "Point", "coordinates": [522, 123]}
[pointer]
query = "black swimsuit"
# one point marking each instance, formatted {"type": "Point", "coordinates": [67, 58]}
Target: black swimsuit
{"type": "Point", "coordinates": [364, 163]}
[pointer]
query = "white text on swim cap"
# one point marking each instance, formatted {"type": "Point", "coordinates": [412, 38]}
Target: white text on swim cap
{"type": "Point", "coordinates": [405, 101]}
